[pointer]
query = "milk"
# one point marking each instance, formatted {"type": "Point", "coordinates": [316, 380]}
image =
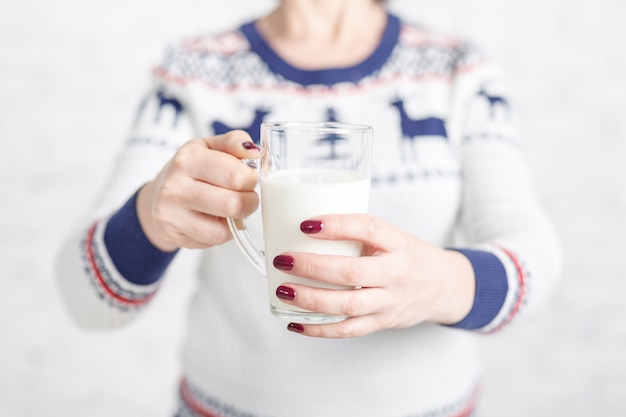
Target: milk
{"type": "Point", "coordinates": [288, 198]}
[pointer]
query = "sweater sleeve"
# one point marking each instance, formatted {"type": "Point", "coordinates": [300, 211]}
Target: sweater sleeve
{"type": "Point", "coordinates": [506, 235]}
{"type": "Point", "coordinates": [131, 253]}
{"type": "Point", "coordinates": [107, 271]}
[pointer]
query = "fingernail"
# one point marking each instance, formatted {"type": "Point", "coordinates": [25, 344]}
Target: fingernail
{"type": "Point", "coordinates": [285, 293]}
{"type": "Point", "coordinates": [295, 327]}
{"type": "Point", "coordinates": [283, 263]}
{"type": "Point", "coordinates": [250, 145]}
{"type": "Point", "coordinates": [311, 226]}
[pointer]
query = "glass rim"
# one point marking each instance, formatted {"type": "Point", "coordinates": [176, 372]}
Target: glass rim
{"type": "Point", "coordinates": [322, 127]}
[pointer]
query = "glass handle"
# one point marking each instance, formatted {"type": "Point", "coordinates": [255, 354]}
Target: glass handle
{"type": "Point", "coordinates": [241, 235]}
{"type": "Point", "coordinates": [247, 245]}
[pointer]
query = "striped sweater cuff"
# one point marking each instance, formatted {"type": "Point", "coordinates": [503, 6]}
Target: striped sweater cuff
{"type": "Point", "coordinates": [136, 259]}
{"type": "Point", "coordinates": [491, 289]}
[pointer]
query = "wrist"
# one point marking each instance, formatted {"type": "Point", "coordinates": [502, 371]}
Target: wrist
{"type": "Point", "coordinates": [133, 255]}
{"type": "Point", "coordinates": [491, 289]}
{"type": "Point", "coordinates": [458, 288]}
{"type": "Point", "coordinates": [150, 226]}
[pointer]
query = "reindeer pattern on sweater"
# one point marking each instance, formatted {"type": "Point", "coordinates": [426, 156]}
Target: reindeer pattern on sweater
{"type": "Point", "coordinates": [408, 98]}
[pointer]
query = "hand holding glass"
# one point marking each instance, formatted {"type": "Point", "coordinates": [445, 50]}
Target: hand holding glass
{"type": "Point", "coordinates": [306, 169]}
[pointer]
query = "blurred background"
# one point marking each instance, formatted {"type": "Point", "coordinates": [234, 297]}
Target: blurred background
{"type": "Point", "coordinates": [71, 75]}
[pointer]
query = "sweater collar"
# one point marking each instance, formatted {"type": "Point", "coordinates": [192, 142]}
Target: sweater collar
{"type": "Point", "coordinates": [328, 76]}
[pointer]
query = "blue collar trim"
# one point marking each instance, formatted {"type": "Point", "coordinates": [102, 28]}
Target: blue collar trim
{"type": "Point", "coordinates": [328, 76]}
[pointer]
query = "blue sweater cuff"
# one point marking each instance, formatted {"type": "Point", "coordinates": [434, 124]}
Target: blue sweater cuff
{"type": "Point", "coordinates": [491, 289]}
{"type": "Point", "coordinates": [136, 259]}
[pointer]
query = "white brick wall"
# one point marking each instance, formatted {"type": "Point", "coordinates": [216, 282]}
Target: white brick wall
{"type": "Point", "coordinates": [71, 73]}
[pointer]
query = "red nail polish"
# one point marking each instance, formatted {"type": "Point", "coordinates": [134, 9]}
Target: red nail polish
{"type": "Point", "coordinates": [311, 226]}
{"type": "Point", "coordinates": [283, 262]}
{"type": "Point", "coordinates": [295, 327]}
{"type": "Point", "coordinates": [250, 145]}
{"type": "Point", "coordinates": [285, 293]}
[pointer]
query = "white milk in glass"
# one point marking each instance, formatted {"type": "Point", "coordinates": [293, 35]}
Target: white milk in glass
{"type": "Point", "coordinates": [292, 196]}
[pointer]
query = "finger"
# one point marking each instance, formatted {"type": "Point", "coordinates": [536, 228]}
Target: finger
{"type": "Point", "coordinates": [217, 201]}
{"type": "Point", "coordinates": [237, 143]}
{"type": "Point", "coordinates": [351, 271]}
{"type": "Point", "coordinates": [208, 230]}
{"type": "Point", "coordinates": [217, 160]}
{"type": "Point", "coordinates": [351, 327]}
{"type": "Point", "coordinates": [370, 230]}
{"type": "Point", "coordinates": [196, 230]}
{"type": "Point", "coordinates": [215, 167]}
{"type": "Point", "coordinates": [351, 303]}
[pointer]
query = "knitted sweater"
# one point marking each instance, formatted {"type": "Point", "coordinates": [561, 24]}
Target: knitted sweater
{"type": "Point", "coordinates": [447, 167]}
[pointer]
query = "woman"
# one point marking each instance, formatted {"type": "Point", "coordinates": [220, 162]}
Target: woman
{"type": "Point", "coordinates": [454, 242]}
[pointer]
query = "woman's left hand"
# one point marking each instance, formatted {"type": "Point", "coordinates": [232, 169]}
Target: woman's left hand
{"type": "Point", "coordinates": [404, 280]}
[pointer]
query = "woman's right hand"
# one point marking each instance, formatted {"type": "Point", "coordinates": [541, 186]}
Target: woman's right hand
{"type": "Point", "coordinates": [187, 203]}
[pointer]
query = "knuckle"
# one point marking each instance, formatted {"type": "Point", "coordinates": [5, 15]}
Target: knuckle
{"type": "Point", "coordinates": [354, 271]}
{"type": "Point", "coordinates": [233, 179]}
{"type": "Point", "coordinates": [231, 206]}
{"type": "Point", "coordinates": [180, 158]}
{"type": "Point", "coordinates": [344, 331]}
{"type": "Point", "coordinates": [307, 267]}
{"type": "Point", "coordinates": [353, 305]}
{"type": "Point", "coordinates": [221, 235]}
{"type": "Point", "coordinates": [309, 302]}
{"type": "Point", "coordinates": [371, 227]}
{"type": "Point", "coordinates": [383, 322]}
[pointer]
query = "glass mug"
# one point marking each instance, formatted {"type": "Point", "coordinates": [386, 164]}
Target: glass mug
{"type": "Point", "coordinates": [306, 169]}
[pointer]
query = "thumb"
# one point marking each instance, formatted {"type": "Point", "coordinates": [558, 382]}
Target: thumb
{"type": "Point", "coordinates": [236, 142]}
